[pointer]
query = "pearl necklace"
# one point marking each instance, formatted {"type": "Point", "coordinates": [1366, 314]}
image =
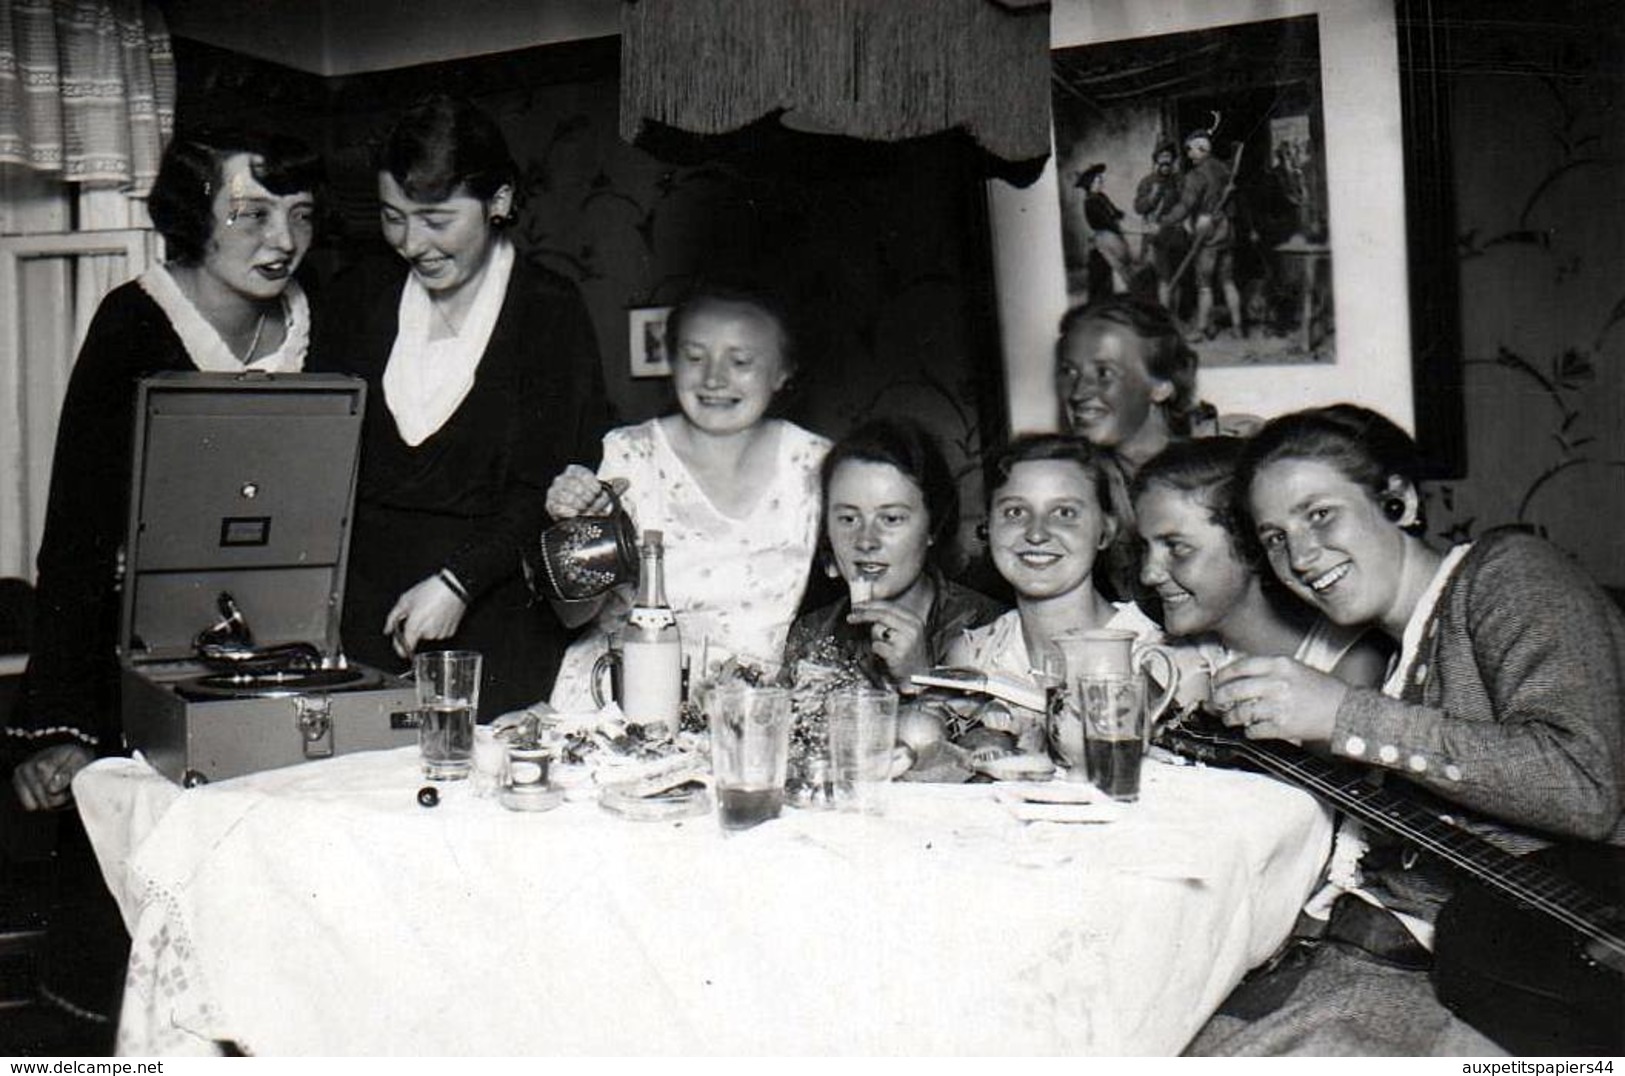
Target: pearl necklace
{"type": "Point", "coordinates": [253, 345]}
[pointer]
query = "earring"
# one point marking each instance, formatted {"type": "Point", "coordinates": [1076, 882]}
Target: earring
{"type": "Point", "coordinates": [981, 532]}
{"type": "Point", "coordinates": [1393, 507]}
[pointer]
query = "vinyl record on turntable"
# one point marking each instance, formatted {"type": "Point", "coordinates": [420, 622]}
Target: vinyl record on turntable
{"type": "Point", "coordinates": [275, 684]}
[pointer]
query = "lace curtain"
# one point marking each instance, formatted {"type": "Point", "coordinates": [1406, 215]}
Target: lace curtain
{"type": "Point", "coordinates": [87, 89]}
{"type": "Point", "coordinates": [87, 101]}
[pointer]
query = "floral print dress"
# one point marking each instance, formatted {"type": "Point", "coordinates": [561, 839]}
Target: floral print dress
{"type": "Point", "coordinates": [734, 583]}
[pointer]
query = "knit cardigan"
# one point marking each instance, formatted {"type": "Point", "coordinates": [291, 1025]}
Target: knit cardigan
{"type": "Point", "coordinates": [1515, 703]}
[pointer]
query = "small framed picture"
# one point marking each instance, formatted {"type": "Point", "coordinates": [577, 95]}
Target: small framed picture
{"type": "Point", "coordinates": [646, 328]}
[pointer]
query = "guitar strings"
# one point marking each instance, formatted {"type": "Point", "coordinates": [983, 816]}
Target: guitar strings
{"type": "Point", "coordinates": [1548, 893]}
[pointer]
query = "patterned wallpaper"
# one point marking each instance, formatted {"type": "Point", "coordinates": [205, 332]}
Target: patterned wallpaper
{"type": "Point", "coordinates": [888, 248]}
{"type": "Point", "coordinates": [1539, 159]}
{"type": "Point", "coordinates": [882, 249]}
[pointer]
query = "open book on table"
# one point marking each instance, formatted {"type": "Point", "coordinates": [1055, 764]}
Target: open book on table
{"type": "Point", "coordinates": [1000, 685]}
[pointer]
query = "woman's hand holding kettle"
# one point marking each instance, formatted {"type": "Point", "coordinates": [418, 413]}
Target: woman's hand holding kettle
{"type": "Point", "coordinates": [590, 547]}
{"type": "Point", "coordinates": [576, 491]}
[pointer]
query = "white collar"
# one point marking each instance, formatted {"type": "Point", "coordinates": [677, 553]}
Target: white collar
{"type": "Point", "coordinates": [203, 342]}
{"type": "Point", "coordinates": [1410, 647]}
{"type": "Point", "coordinates": [427, 380]}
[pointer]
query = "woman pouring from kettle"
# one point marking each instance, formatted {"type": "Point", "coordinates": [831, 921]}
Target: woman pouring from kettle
{"type": "Point", "coordinates": [483, 381]}
{"type": "Point", "coordinates": [734, 491]}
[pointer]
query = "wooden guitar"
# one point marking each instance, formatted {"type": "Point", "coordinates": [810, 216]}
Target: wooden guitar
{"type": "Point", "coordinates": [1530, 950]}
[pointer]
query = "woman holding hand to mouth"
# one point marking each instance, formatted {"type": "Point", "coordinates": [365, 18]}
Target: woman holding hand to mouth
{"type": "Point", "coordinates": [1209, 576]}
{"type": "Point", "coordinates": [237, 211]}
{"type": "Point", "coordinates": [733, 491]}
{"type": "Point", "coordinates": [483, 381]}
{"type": "Point", "coordinates": [1505, 701]}
{"type": "Point", "coordinates": [890, 508]}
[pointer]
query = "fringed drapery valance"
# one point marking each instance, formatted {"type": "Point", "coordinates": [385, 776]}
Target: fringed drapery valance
{"type": "Point", "coordinates": [883, 70]}
{"type": "Point", "coordinates": [87, 89]}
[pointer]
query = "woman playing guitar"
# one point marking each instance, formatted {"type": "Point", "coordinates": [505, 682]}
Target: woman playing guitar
{"type": "Point", "coordinates": [1508, 699]}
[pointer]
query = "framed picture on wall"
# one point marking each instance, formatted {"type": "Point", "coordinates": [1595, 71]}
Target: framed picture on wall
{"type": "Point", "coordinates": [1192, 172]}
{"type": "Point", "coordinates": [646, 340]}
{"type": "Point", "coordinates": [1276, 172]}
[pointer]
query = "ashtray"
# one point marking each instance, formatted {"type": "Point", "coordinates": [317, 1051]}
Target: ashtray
{"type": "Point", "coordinates": [530, 797]}
{"type": "Point", "coordinates": [682, 800]}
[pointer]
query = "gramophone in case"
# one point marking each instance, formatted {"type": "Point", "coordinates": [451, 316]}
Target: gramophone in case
{"type": "Point", "coordinates": [240, 513]}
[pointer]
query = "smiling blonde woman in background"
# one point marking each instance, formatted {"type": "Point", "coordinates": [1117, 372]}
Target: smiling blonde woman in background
{"type": "Point", "coordinates": [733, 490]}
{"type": "Point", "coordinates": [1125, 377]}
{"type": "Point", "coordinates": [483, 382]}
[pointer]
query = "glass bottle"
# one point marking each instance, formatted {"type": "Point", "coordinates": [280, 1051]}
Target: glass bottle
{"type": "Point", "coordinates": [651, 648]}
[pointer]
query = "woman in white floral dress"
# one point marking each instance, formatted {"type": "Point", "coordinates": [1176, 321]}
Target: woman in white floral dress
{"type": "Point", "coordinates": [734, 492]}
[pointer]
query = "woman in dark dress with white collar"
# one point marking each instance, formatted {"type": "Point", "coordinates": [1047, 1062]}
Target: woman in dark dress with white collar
{"type": "Point", "coordinates": [483, 382]}
{"type": "Point", "coordinates": [238, 211]}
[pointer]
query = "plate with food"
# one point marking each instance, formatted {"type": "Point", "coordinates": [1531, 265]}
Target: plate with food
{"type": "Point", "coordinates": [631, 800]}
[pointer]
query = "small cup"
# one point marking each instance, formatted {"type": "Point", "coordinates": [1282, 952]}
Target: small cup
{"type": "Point", "coordinates": [448, 688]}
{"type": "Point", "coordinates": [490, 761]}
{"type": "Point", "coordinates": [862, 732]}
{"type": "Point", "coordinates": [525, 785]}
{"type": "Point", "coordinates": [750, 751]}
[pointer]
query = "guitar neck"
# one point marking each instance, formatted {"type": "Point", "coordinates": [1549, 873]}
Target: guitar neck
{"type": "Point", "coordinates": [1349, 789]}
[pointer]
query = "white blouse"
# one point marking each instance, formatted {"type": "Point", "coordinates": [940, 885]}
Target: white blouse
{"type": "Point", "coordinates": [734, 583]}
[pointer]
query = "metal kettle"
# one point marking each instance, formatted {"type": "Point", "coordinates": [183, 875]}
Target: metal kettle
{"type": "Point", "coordinates": [584, 556]}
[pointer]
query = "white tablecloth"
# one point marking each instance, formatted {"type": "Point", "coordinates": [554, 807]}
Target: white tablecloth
{"type": "Point", "coordinates": [320, 910]}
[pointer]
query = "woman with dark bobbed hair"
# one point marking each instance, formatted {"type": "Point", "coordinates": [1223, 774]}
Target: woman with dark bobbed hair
{"type": "Point", "coordinates": [237, 211]}
{"type": "Point", "coordinates": [1505, 703]}
{"type": "Point", "coordinates": [483, 382]}
{"type": "Point", "coordinates": [890, 510]}
{"type": "Point", "coordinates": [1125, 377]}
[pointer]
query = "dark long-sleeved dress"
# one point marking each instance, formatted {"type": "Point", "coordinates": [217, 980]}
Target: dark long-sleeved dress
{"type": "Point", "coordinates": [955, 609]}
{"type": "Point", "coordinates": [71, 691]}
{"type": "Point", "coordinates": [471, 495]}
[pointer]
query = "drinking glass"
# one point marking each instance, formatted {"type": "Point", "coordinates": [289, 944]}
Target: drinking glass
{"type": "Point", "coordinates": [862, 732]}
{"type": "Point", "coordinates": [1063, 723]}
{"type": "Point", "coordinates": [448, 686]}
{"type": "Point", "coordinates": [750, 750]}
{"type": "Point", "coordinates": [1114, 731]}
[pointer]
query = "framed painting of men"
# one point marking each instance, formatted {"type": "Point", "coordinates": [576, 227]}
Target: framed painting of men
{"type": "Point", "coordinates": [1192, 172]}
{"type": "Point", "coordinates": [1252, 165]}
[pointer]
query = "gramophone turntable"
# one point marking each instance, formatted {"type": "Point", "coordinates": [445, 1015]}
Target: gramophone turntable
{"type": "Point", "coordinates": [239, 520]}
